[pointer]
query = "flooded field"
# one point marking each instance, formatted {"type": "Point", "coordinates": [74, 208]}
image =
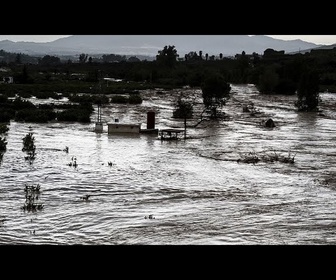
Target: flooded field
{"type": "Point", "coordinates": [199, 190]}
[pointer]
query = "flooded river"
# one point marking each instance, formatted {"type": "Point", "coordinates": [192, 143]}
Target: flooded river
{"type": "Point", "coordinates": [197, 190]}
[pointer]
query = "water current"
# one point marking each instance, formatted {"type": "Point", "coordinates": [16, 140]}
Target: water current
{"type": "Point", "coordinates": [196, 190]}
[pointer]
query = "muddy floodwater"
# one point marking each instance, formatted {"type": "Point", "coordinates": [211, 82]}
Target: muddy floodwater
{"type": "Point", "coordinates": [201, 190]}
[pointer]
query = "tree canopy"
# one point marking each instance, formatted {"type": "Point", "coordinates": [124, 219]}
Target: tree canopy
{"type": "Point", "coordinates": [308, 91]}
{"type": "Point", "coordinates": [215, 92]}
{"type": "Point", "coordinates": [168, 56]}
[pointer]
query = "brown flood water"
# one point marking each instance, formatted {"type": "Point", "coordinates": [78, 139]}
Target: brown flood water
{"type": "Point", "coordinates": [195, 189]}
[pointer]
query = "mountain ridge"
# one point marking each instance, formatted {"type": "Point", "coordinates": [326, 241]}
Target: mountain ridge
{"type": "Point", "coordinates": [149, 45]}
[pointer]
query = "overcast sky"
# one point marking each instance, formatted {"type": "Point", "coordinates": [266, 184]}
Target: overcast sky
{"type": "Point", "coordinates": [317, 39]}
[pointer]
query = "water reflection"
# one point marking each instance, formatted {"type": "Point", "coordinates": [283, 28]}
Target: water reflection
{"type": "Point", "coordinates": [307, 120]}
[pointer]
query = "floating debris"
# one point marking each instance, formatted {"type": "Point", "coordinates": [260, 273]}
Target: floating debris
{"type": "Point", "coordinates": [86, 197]}
{"type": "Point", "coordinates": [73, 162]}
{"type": "Point", "coordinates": [150, 217]}
{"type": "Point", "coordinates": [254, 158]}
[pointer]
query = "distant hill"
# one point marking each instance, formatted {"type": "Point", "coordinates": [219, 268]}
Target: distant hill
{"type": "Point", "coordinates": [323, 47]}
{"type": "Point", "coordinates": [149, 45]}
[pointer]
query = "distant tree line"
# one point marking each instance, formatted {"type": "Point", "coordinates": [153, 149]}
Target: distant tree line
{"type": "Point", "coordinates": [273, 72]}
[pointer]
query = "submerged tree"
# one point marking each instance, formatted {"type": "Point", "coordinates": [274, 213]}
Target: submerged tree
{"type": "Point", "coordinates": [29, 147]}
{"type": "Point", "coordinates": [183, 110]}
{"type": "Point", "coordinates": [215, 92]}
{"type": "Point", "coordinates": [308, 91]}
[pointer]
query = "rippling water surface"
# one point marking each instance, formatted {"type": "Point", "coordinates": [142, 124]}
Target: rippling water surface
{"type": "Point", "coordinates": [196, 190]}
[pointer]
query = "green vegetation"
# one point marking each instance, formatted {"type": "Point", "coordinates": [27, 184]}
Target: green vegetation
{"type": "Point", "coordinates": [184, 110]}
{"type": "Point", "coordinates": [308, 92]}
{"type": "Point", "coordinates": [3, 128]}
{"type": "Point", "coordinates": [32, 194]}
{"type": "Point", "coordinates": [167, 57]}
{"type": "Point", "coordinates": [3, 145]}
{"type": "Point", "coordinates": [29, 147]}
{"type": "Point", "coordinates": [116, 79]}
{"type": "Point", "coordinates": [215, 92]}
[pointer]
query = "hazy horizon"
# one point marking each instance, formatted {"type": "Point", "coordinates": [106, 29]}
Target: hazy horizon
{"type": "Point", "coordinates": [316, 39]}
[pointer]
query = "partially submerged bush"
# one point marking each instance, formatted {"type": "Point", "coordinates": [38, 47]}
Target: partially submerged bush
{"type": "Point", "coordinates": [32, 193]}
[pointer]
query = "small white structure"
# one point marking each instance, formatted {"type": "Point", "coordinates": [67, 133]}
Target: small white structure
{"type": "Point", "coordinates": [123, 128]}
{"type": "Point", "coordinates": [117, 127]}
